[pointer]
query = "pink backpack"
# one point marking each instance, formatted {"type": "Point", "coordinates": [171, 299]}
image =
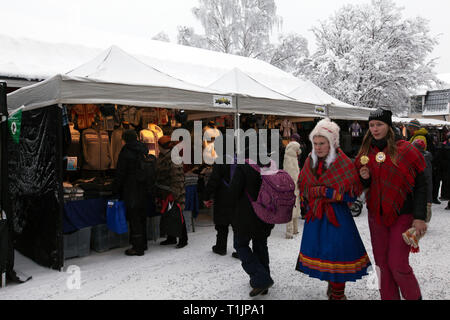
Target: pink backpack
{"type": "Point", "coordinates": [276, 198]}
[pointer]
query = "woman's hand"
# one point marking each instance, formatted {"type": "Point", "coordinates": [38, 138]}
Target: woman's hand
{"type": "Point", "coordinates": [421, 227]}
{"type": "Point", "coordinates": [364, 172]}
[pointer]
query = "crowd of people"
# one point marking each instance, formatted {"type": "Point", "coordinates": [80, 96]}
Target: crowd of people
{"type": "Point", "coordinates": [400, 178]}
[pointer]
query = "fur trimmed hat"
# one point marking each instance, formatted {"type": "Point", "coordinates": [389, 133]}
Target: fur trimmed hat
{"type": "Point", "coordinates": [327, 129]}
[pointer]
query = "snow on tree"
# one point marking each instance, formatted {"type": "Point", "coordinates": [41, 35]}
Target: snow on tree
{"type": "Point", "coordinates": [368, 55]}
{"type": "Point", "coordinates": [244, 27]}
{"type": "Point", "coordinates": [162, 36]}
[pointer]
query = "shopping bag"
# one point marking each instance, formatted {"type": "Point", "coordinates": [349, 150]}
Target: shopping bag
{"type": "Point", "coordinates": [172, 221]}
{"type": "Point", "coordinates": [116, 217]}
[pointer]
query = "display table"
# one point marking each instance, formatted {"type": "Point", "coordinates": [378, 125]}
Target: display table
{"type": "Point", "coordinates": [83, 213]}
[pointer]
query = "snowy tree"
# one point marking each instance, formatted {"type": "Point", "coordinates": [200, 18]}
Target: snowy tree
{"type": "Point", "coordinates": [244, 27]}
{"type": "Point", "coordinates": [162, 36]}
{"type": "Point", "coordinates": [368, 55]}
{"type": "Point", "coordinates": [290, 53]}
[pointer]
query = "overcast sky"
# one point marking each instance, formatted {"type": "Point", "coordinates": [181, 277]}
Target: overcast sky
{"type": "Point", "coordinates": [101, 23]}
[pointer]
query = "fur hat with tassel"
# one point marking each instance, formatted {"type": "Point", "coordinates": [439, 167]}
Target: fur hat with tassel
{"type": "Point", "coordinates": [329, 130]}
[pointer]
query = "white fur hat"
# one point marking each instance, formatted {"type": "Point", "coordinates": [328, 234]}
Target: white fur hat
{"type": "Point", "coordinates": [327, 129]}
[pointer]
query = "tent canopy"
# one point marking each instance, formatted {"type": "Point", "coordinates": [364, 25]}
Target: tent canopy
{"type": "Point", "coordinates": [171, 75]}
{"type": "Point", "coordinates": [423, 121]}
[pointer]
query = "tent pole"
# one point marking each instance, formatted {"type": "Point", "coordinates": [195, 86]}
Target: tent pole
{"type": "Point", "coordinates": [4, 176]}
{"type": "Point", "coordinates": [237, 124]}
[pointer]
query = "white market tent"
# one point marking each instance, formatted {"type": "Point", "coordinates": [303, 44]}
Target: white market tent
{"type": "Point", "coordinates": [195, 66]}
{"type": "Point", "coordinates": [114, 77]}
{"type": "Point", "coordinates": [254, 97]}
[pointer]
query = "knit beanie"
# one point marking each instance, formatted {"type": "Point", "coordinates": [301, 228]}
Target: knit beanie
{"type": "Point", "coordinates": [382, 115]}
{"type": "Point", "coordinates": [129, 136]}
{"type": "Point", "coordinates": [414, 124]}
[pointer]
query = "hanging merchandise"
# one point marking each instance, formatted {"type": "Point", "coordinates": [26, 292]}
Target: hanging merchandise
{"type": "Point", "coordinates": [163, 117]}
{"type": "Point", "coordinates": [96, 149]}
{"type": "Point", "coordinates": [220, 122]}
{"type": "Point", "coordinates": [14, 125]}
{"type": "Point", "coordinates": [83, 115]}
{"type": "Point", "coordinates": [286, 128]}
{"type": "Point", "coordinates": [150, 139]}
{"type": "Point", "coordinates": [74, 149]}
{"type": "Point", "coordinates": [270, 122]}
{"type": "Point", "coordinates": [108, 113]}
{"type": "Point", "coordinates": [145, 116]}
{"type": "Point", "coordinates": [355, 130]}
{"type": "Point", "coordinates": [127, 114]}
{"type": "Point", "coordinates": [116, 145]}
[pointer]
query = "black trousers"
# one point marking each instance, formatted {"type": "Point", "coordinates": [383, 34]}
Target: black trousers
{"type": "Point", "coordinates": [137, 219]}
{"type": "Point", "coordinates": [436, 184]}
{"type": "Point", "coordinates": [184, 236]}
{"type": "Point", "coordinates": [222, 236]}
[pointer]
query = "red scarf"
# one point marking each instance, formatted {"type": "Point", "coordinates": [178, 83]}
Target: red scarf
{"type": "Point", "coordinates": [392, 183]}
{"type": "Point", "coordinates": [342, 176]}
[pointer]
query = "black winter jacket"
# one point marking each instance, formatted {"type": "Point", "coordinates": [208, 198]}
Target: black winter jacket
{"type": "Point", "coordinates": [132, 192]}
{"type": "Point", "coordinates": [245, 221]}
{"type": "Point", "coordinates": [220, 192]}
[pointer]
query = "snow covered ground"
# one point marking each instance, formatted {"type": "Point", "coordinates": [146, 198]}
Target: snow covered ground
{"type": "Point", "coordinates": [196, 273]}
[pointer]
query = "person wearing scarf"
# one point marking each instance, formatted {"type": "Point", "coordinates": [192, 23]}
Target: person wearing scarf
{"type": "Point", "coordinates": [393, 172]}
{"type": "Point", "coordinates": [331, 247]}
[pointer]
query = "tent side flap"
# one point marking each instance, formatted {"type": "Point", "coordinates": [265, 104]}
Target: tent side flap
{"type": "Point", "coordinates": [34, 186]}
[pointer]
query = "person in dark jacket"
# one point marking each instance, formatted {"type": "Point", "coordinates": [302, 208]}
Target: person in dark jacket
{"type": "Point", "coordinates": [396, 201]}
{"type": "Point", "coordinates": [246, 183]}
{"type": "Point", "coordinates": [132, 192]}
{"type": "Point", "coordinates": [217, 189]}
{"type": "Point", "coordinates": [444, 161]}
{"type": "Point", "coordinates": [428, 172]}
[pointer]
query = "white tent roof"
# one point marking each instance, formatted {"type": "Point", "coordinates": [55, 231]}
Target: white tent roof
{"type": "Point", "coordinates": [116, 66]}
{"type": "Point", "coordinates": [193, 66]}
{"type": "Point", "coordinates": [238, 82]}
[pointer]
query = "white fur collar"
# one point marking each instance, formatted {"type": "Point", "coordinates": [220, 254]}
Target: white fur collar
{"type": "Point", "coordinates": [328, 161]}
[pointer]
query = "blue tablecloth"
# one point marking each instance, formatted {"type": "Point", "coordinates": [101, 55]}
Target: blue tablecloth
{"type": "Point", "coordinates": [83, 213]}
{"type": "Point", "coordinates": [88, 213]}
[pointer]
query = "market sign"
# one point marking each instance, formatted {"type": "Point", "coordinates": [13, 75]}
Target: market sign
{"type": "Point", "coordinates": [14, 125]}
{"type": "Point", "coordinates": [320, 110]}
{"type": "Point", "coordinates": [223, 102]}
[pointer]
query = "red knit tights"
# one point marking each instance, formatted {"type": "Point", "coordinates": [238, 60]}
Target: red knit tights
{"type": "Point", "coordinates": [337, 290]}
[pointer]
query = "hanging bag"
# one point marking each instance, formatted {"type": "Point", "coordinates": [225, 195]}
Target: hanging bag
{"type": "Point", "coordinates": [172, 220]}
{"type": "Point", "coordinates": [116, 217]}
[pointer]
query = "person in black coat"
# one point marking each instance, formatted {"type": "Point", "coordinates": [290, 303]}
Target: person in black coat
{"type": "Point", "coordinates": [218, 189]}
{"type": "Point", "coordinates": [132, 192]}
{"type": "Point", "coordinates": [248, 227]}
{"type": "Point", "coordinates": [444, 162]}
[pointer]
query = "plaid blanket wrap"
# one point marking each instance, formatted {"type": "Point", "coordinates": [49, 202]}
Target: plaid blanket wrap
{"type": "Point", "coordinates": [392, 183]}
{"type": "Point", "coordinates": [341, 176]}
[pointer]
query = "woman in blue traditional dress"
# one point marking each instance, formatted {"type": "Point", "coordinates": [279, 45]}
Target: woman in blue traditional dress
{"type": "Point", "coordinates": [331, 247]}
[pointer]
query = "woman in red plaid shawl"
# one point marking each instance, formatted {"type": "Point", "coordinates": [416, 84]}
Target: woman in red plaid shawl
{"type": "Point", "coordinates": [331, 248]}
{"type": "Point", "coordinates": [396, 200]}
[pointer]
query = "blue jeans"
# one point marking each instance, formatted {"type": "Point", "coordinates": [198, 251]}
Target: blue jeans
{"type": "Point", "coordinates": [254, 262]}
